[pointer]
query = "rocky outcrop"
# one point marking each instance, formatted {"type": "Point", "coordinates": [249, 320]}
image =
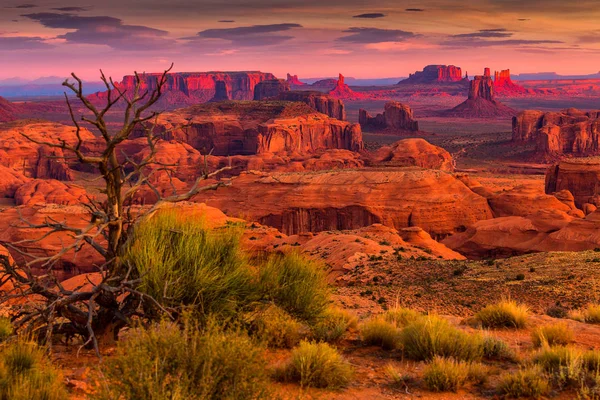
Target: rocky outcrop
{"type": "Point", "coordinates": [396, 116]}
{"type": "Point", "coordinates": [34, 160]}
{"type": "Point", "coordinates": [343, 91]}
{"type": "Point", "coordinates": [269, 90]}
{"type": "Point", "coordinates": [220, 92]}
{"type": "Point", "coordinates": [293, 80]}
{"type": "Point", "coordinates": [7, 110]}
{"type": "Point", "coordinates": [47, 191]}
{"type": "Point", "coordinates": [318, 101]}
{"type": "Point", "coordinates": [188, 88]}
{"type": "Point", "coordinates": [295, 202]}
{"type": "Point", "coordinates": [580, 176]}
{"type": "Point", "coordinates": [555, 134]}
{"type": "Point", "coordinates": [257, 127]}
{"type": "Point", "coordinates": [412, 152]}
{"type": "Point", "coordinates": [525, 200]}
{"type": "Point", "coordinates": [328, 84]}
{"type": "Point", "coordinates": [432, 74]}
{"type": "Point", "coordinates": [10, 181]}
{"type": "Point", "coordinates": [481, 102]}
{"type": "Point", "coordinates": [504, 86]}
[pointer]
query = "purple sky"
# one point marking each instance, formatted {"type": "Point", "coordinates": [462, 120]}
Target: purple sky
{"type": "Point", "coordinates": [380, 38]}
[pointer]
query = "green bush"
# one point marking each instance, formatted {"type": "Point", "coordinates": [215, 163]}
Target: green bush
{"type": "Point", "coordinates": [180, 262]}
{"type": "Point", "coordinates": [530, 382]}
{"type": "Point", "coordinates": [276, 328]}
{"type": "Point", "coordinates": [25, 374]}
{"type": "Point", "coordinates": [6, 329]}
{"type": "Point", "coordinates": [378, 332]}
{"type": "Point", "coordinates": [550, 335]}
{"type": "Point", "coordinates": [506, 314]}
{"type": "Point", "coordinates": [317, 365]}
{"type": "Point", "coordinates": [564, 363]}
{"type": "Point", "coordinates": [400, 316]}
{"type": "Point", "coordinates": [433, 336]}
{"type": "Point", "coordinates": [168, 362]}
{"type": "Point", "coordinates": [332, 325]}
{"type": "Point", "coordinates": [296, 284]}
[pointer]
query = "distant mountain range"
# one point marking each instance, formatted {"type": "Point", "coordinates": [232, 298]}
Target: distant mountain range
{"type": "Point", "coordinates": [359, 82]}
{"type": "Point", "coordinates": [551, 75]}
{"type": "Point", "coordinates": [45, 86]}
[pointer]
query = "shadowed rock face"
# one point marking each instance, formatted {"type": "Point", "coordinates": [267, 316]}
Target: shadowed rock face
{"type": "Point", "coordinates": [318, 101]}
{"type": "Point", "coordinates": [232, 128]}
{"type": "Point", "coordinates": [7, 110]}
{"type": "Point", "coordinates": [271, 89]}
{"type": "Point", "coordinates": [435, 74]}
{"type": "Point", "coordinates": [395, 116]}
{"type": "Point", "coordinates": [185, 89]}
{"type": "Point", "coordinates": [220, 92]}
{"type": "Point", "coordinates": [293, 203]}
{"type": "Point", "coordinates": [568, 132]}
{"type": "Point", "coordinates": [580, 176]}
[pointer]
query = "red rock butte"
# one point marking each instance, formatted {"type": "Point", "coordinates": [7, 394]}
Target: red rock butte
{"type": "Point", "coordinates": [435, 74]}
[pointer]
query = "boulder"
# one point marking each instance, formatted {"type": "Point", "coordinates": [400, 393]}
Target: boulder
{"type": "Point", "coordinates": [10, 181]}
{"type": "Point", "coordinates": [413, 152]}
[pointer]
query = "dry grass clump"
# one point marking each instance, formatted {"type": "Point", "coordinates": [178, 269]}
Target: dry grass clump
{"type": "Point", "coordinates": [6, 329]}
{"type": "Point", "coordinates": [276, 328]}
{"type": "Point", "coordinates": [530, 383]}
{"type": "Point", "coordinates": [400, 316]}
{"type": "Point", "coordinates": [564, 363]}
{"type": "Point", "coordinates": [25, 373]}
{"type": "Point", "coordinates": [497, 349]}
{"type": "Point", "coordinates": [590, 314]}
{"type": "Point", "coordinates": [506, 314]}
{"type": "Point", "coordinates": [168, 362]}
{"type": "Point", "coordinates": [551, 335]}
{"type": "Point", "coordinates": [433, 336]}
{"type": "Point", "coordinates": [317, 365]}
{"type": "Point", "coordinates": [449, 375]}
{"type": "Point", "coordinates": [379, 332]}
{"type": "Point", "coordinates": [333, 324]}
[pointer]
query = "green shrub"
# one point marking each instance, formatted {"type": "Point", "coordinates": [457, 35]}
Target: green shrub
{"type": "Point", "coordinates": [564, 363]}
{"type": "Point", "coordinates": [276, 328]}
{"type": "Point", "coordinates": [497, 349]}
{"type": "Point", "coordinates": [433, 336]}
{"type": "Point", "coordinates": [25, 374]}
{"type": "Point", "coordinates": [180, 262]}
{"type": "Point", "coordinates": [445, 375]}
{"type": "Point", "coordinates": [378, 332]}
{"type": "Point", "coordinates": [318, 365]}
{"type": "Point", "coordinates": [400, 316]}
{"type": "Point", "coordinates": [333, 324]}
{"type": "Point", "coordinates": [6, 329]}
{"type": "Point", "coordinates": [296, 284]}
{"type": "Point", "coordinates": [506, 314]}
{"type": "Point", "coordinates": [557, 334]}
{"type": "Point", "coordinates": [530, 382]}
{"type": "Point", "coordinates": [167, 362]}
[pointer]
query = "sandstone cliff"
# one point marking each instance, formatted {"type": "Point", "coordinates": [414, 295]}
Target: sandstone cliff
{"type": "Point", "coordinates": [188, 88]}
{"type": "Point", "coordinates": [396, 116]}
{"type": "Point", "coordinates": [257, 127]}
{"type": "Point", "coordinates": [580, 176]}
{"type": "Point", "coordinates": [568, 132]}
{"type": "Point", "coordinates": [435, 74]}
{"type": "Point", "coordinates": [412, 152]}
{"type": "Point", "coordinates": [271, 89]}
{"type": "Point", "coordinates": [318, 101]}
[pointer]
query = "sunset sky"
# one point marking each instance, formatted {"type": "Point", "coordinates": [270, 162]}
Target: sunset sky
{"type": "Point", "coordinates": [311, 38]}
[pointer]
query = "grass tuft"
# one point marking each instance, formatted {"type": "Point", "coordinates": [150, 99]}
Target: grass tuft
{"type": "Point", "coordinates": [378, 332]}
{"type": "Point", "coordinates": [530, 382]}
{"type": "Point", "coordinates": [333, 324]}
{"type": "Point", "coordinates": [506, 314]}
{"type": "Point", "coordinates": [551, 335]}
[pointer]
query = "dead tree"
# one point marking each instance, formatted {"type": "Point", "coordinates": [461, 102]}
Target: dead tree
{"type": "Point", "coordinates": [97, 309]}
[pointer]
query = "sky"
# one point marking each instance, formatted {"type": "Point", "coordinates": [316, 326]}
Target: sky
{"type": "Point", "coordinates": [310, 38]}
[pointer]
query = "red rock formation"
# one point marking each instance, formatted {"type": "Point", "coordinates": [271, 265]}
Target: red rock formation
{"type": "Point", "coordinates": [435, 74]}
{"type": "Point", "coordinates": [413, 152]}
{"type": "Point", "coordinates": [184, 89]}
{"type": "Point", "coordinates": [318, 101]}
{"type": "Point", "coordinates": [504, 86]}
{"type": "Point", "coordinates": [294, 81]}
{"type": "Point", "coordinates": [46, 191]}
{"type": "Point", "coordinates": [258, 127]}
{"type": "Point", "coordinates": [31, 159]}
{"type": "Point", "coordinates": [7, 110]}
{"type": "Point", "coordinates": [580, 176]}
{"type": "Point", "coordinates": [569, 132]}
{"type": "Point", "coordinates": [396, 116]}
{"type": "Point", "coordinates": [343, 91]}
{"type": "Point", "coordinates": [481, 102]}
{"type": "Point", "coordinates": [269, 90]}
{"type": "Point", "coordinates": [294, 202]}
{"type": "Point", "coordinates": [328, 84]}
{"type": "Point", "coordinates": [220, 92]}
{"type": "Point", "coordinates": [10, 181]}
